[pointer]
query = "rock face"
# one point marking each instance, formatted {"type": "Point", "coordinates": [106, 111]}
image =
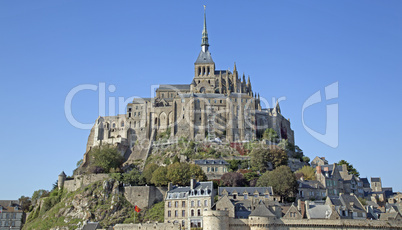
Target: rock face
{"type": "Point", "coordinates": [102, 202]}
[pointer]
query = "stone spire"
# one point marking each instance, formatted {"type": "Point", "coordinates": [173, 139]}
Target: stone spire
{"type": "Point", "coordinates": [204, 43]}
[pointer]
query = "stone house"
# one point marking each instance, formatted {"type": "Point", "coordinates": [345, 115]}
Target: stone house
{"type": "Point", "coordinates": [311, 190]}
{"type": "Point", "coordinates": [395, 199]}
{"type": "Point", "coordinates": [318, 161]}
{"type": "Point", "coordinates": [320, 210]}
{"type": "Point", "coordinates": [214, 169]}
{"type": "Point", "coordinates": [351, 182]}
{"type": "Point", "coordinates": [186, 205]}
{"type": "Point", "coordinates": [241, 201]}
{"type": "Point", "coordinates": [293, 213]}
{"type": "Point", "coordinates": [330, 178]}
{"type": "Point", "coordinates": [11, 215]}
{"type": "Point", "coordinates": [347, 206]}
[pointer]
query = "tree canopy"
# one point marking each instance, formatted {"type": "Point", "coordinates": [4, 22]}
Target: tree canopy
{"type": "Point", "coordinates": [106, 158]}
{"type": "Point", "coordinates": [181, 173]}
{"type": "Point", "coordinates": [159, 176]}
{"type": "Point", "coordinates": [308, 172]}
{"type": "Point", "coordinates": [282, 180]}
{"type": "Point", "coordinates": [261, 156]}
{"type": "Point", "coordinates": [233, 179]}
{"type": "Point", "coordinates": [270, 135]}
{"type": "Point", "coordinates": [350, 167]}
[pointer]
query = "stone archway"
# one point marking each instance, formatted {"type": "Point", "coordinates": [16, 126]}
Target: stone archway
{"type": "Point", "coordinates": [163, 121]}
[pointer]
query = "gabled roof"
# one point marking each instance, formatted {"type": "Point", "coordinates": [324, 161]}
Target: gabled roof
{"type": "Point", "coordinates": [262, 210]}
{"type": "Point", "coordinates": [183, 192]}
{"type": "Point", "coordinates": [318, 211]}
{"type": "Point", "coordinates": [310, 184]}
{"type": "Point", "coordinates": [366, 183]}
{"type": "Point", "coordinates": [204, 58]}
{"type": "Point", "coordinates": [211, 162]}
{"type": "Point", "coordinates": [174, 87]}
{"type": "Point", "coordinates": [91, 226]}
{"type": "Point", "coordinates": [250, 190]}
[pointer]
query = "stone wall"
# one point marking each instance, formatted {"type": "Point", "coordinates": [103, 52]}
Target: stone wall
{"type": "Point", "coordinates": [144, 196]}
{"type": "Point", "coordinates": [214, 220]}
{"type": "Point", "coordinates": [147, 226]}
{"type": "Point", "coordinates": [83, 180]}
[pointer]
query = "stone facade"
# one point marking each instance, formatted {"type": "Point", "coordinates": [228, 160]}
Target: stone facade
{"type": "Point", "coordinates": [79, 181]}
{"type": "Point", "coordinates": [147, 226]}
{"type": "Point", "coordinates": [186, 205]}
{"type": "Point", "coordinates": [214, 169]}
{"type": "Point", "coordinates": [144, 196]}
{"type": "Point", "coordinates": [11, 216]}
{"type": "Point", "coordinates": [217, 103]}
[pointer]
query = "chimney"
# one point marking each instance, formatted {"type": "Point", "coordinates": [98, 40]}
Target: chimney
{"type": "Point", "coordinates": [318, 169]}
{"type": "Point", "coordinates": [299, 204]}
{"type": "Point", "coordinates": [169, 186]}
{"type": "Point", "coordinates": [323, 158]}
{"type": "Point", "coordinates": [193, 183]}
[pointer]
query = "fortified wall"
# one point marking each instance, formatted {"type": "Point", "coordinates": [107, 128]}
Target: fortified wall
{"type": "Point", "coordinates": [147, 226]}
{"type": "Point", "coordinates": [81, 181]}
{"type": "Point", "coordinates": [144, 196]}
{"type": "Point", "coordinates": [219, 220]}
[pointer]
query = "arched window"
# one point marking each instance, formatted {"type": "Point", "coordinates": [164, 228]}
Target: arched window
{"type": "Point", "coordinates": [114, 125]}
{"type": "Point", "coordinates": [199, 71]}
{"type": "Point", "coordinates": [203, 70]}
{"type": "Point", "coordinates": [192, 212]}
{"type": "Point", "coordinates": [208, 71]}
{"type": "Point", "coordinates": [199, 212]}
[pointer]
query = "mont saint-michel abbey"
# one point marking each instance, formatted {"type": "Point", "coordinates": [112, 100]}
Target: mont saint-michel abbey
{"type": "Point", "coordinates": [216, 104]}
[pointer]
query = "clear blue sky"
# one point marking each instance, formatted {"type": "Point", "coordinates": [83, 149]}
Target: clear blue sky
{"type": "Point", "coordinates": [289, 48]}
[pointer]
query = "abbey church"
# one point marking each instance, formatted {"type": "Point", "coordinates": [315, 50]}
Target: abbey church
{"type": "Point", "coordinates": [216, 105]}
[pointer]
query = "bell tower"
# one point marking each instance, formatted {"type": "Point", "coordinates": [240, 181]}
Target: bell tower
{"type": "Point", "coordinates": [204, 66]}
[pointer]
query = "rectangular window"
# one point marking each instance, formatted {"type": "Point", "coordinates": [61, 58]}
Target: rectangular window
{"type": "Point", "coordinates": [169, 204]}
{"type": "Point", "coordinates": [176, 204]}
{"type": "Point", "coordinates": [169, 213]}
{"type": "Point", "coordinates": [129, 109]}
{"type": "Point", "coordinates": [139, 113]}
{"type": "Point", "coordinates": [206, 203]}
{"type": "Point", "coordinates": [199, 203]}
{"type": "Point", "coordinates": [216, 169]}
{"type": "Point", "coordinates": [176, 213]}
{"type": "Point", "coordinates": [135, 114]}
{"type": "Point", "coordinates": [183, 213]}
{"type": "Point", "coordinates": [266, 196]}
{"type": "Point", "coordinates": [136, 107]}
{"type": "Point", "coordinates": [245, 196]}
{"type": "Point", "coordinates": [208, 169]}
{"type": "Point", "coordinates": [192, 203]}
{"type": "Point", "coordinates": [183, 204]}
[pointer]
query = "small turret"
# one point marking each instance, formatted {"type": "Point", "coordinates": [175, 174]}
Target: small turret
{"type": "Point", "coordinates": [61, 180]}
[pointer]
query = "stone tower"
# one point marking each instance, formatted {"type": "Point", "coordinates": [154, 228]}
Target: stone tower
{"type": "Point", "coordinates": [62, 178]}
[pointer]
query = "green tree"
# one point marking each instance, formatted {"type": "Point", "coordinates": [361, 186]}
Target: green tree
{"type": "Point", "coordinates": [106, 158]}
{"type": "Point", "coordinates": [233, 179]}
{"type": "Point", "coordinates": [25, 203]}
{"type": "Point", "coordinates": [181, 173]}
{"type": "Point", "coordinates": [282, 180]}
{"type": "Point", "coordinates": [148, 170]}
{"type": "Point", "coordinates": [133, 177]}
{"type": "Point", "coordinates": [350, 167]}
{"type": "Point", "coordinates": [308, 172]}
{"type": "Point", "coordinates": [260, 158]}
{"type": "Point", "coordinates": [306, 159]}
{"type": "Point", "coordinates": [39, 194]}
{"type": "Point", "coordinates": [270, 135]}
{"type": "Point", "coordinates": [159, 177]}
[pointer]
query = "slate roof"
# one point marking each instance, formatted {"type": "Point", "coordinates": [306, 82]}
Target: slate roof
{"type": "Point", "coordinates": [389, 216]}
{"type": "Point", "coordinates": [183, 192]}
{"type": "Point", "coordinates": [204, 58]}
{"type": "Point", "coordinates": [366, 183]}
{"type": "Point", "coordinates": [345, 201]}
{"type": "Point", "coordinates": [330, 169]}
{"type": "Point", "coordinates": [211, 162]}
{"type": "Point", "coordinates": [318, 211]}
{"type": "Point", "coordinates": [174, 87]}
{"type": "Point", "coordinates": [203, 95]}
{"type": "Point", "coordinates": [140, 100]}
{"type": "Point", "coordinates": [91, 226]}
{"type": "Point", "coordinates": [310, 184]}
{"type": "Point", "coordinates": [250, 190]}
{"type": "Point", "coordinates": [375, 179]}
{"type": "Point", "coordinates": [262, 210]}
